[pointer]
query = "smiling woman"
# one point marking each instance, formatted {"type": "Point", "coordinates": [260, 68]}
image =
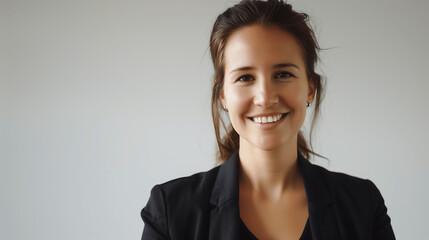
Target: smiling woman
{"type": "Point", "coordinates": [265, 77]}
{"type": "Point", "coordinates": [264, 55]}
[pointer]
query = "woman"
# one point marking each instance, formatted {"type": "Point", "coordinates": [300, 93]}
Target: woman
{"type": "Point", "coordinates": [264, 55]}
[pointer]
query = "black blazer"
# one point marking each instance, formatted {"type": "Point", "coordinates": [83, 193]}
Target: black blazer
{"type": "Point", "coordinates": [205, 206]}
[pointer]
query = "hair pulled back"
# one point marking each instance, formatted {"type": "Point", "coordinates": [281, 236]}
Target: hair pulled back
{"type": "Point", "coordinates": [269, 13]}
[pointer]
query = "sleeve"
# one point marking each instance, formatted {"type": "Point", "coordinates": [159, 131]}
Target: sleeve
{"type": "Point", "coordinates": [155, 217]}
{"type": "Point", "coordinates": [381, 228]}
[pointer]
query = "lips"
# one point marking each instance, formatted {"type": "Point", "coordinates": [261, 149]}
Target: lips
{"type": "Point", "coordinates": [268, 118]}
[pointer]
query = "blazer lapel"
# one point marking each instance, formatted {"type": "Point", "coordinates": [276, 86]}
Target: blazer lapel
{"type": "Point", "coordinates": [321, 204]}
{"type": "Point", "coordinates": [225, 214]}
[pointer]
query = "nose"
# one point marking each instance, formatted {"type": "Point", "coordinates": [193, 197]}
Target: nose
{"type": "Point", "coordinates": [265, 93]}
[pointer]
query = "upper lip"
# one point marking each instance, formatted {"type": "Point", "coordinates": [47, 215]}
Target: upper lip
{"type": "Point", "coordinates": [266, 114]}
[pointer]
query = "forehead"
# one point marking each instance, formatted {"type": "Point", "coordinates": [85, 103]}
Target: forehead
{"type": "Point", "coordinates": [259, 45]}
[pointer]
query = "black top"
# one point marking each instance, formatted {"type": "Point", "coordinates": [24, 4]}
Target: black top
{"type": "Point", "coordinates": [205, 206]}
{"type": "Point", "coordinates": [246, 234]}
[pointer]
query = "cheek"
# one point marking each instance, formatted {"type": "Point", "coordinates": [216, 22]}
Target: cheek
{"type": "Point", "coordinates": [296, 96]}
{"type": "Point", "coordinates": [238, 99]}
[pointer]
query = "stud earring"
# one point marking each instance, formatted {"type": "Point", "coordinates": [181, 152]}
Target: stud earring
{"type": "Point", "coordinates": [226, 109]}
{"type": "Point", "coordinates": [308, 104]}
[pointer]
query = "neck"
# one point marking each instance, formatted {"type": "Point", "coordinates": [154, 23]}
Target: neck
{"type": "Point", "coordinates": [269, 173]}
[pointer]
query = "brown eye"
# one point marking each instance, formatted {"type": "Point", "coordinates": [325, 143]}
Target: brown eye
{"type": "Point", "coordinates": [284, 75]}
{"type": "Point", "coordinates": [245, 78]}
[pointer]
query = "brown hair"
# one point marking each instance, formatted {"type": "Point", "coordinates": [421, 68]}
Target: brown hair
{"type": "Point", "coordinates": [271, 13]}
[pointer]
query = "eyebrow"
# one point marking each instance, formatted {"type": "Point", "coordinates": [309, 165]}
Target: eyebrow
{"type": "Point", "coordinates": [280, 65]}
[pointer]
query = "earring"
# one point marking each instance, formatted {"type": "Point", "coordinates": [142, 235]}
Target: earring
{"type": "Point", "coordinates": [224, 108]}
{"type": "Point", "coordinates": [308, 104]}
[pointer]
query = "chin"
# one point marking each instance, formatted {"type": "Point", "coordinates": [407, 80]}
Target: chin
{"type": "Point", "coordinates": [268, 144]}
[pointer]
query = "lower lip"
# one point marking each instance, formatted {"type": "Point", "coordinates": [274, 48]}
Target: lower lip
{"type": "Point", "coordinates": [268, 126]}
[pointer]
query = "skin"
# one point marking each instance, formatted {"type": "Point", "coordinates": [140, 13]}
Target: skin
{"type": "Point", "coordinates": [265, 74]}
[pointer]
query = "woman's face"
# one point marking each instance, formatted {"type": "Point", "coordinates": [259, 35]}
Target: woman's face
{"type": "Point", "coordinates": [265, 87]}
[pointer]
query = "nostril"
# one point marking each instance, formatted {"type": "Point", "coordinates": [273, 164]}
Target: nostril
{"type": "Point", "coordinates": [265, 100]}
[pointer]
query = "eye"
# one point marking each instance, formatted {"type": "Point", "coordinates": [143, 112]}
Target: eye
{"type": "Point", "coordinates": [284, 75]}
{"type": "Point", "coordinates": [245, 78]}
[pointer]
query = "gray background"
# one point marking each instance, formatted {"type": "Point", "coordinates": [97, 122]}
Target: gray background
{"type": "Point", "coordinates": [101, 100]}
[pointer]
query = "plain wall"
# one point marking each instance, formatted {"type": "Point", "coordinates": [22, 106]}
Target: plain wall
{"type": "Point", "coordinates": [101, 100]}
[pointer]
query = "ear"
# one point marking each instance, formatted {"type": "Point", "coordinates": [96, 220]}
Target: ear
{"type": "Point", "coordinates": [222, 98]}
{"type": "Point", "coordinates": [311, 91]}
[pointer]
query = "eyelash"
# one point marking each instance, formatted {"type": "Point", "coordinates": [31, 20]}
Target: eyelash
{"type": "Point", "coordinates": [248, 78]}
{"type": "Point", "coordinates": [284, 73]}
{"type": "Point", "coordinates": [241, 78]}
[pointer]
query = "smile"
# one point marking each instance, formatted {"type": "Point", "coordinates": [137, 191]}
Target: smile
{"type": "Point", "coordinates": [268, 119]}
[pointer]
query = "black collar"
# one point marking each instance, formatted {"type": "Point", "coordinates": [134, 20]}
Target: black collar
{"type": "Point", "coordinates": [225, 200]}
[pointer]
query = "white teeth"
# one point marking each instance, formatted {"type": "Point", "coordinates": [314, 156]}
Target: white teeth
{"type": "Point", "coordinates": [269, 119]}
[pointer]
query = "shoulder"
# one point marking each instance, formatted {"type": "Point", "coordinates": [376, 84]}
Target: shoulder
{"type": "Point", "coordinates": [193, 185]}
{"type": "Point", "coordinates": [346, 181]}
{"type": "Point", "coordinates": [358, 201]}
{"type": "Point", "coordinates": [178, 199]}
{"type": "Point", "coordinates": [347, 185]}
{"type": "Point", "coordinates": [186, 194]}
{"type": "Point", "coordinates": [352, 193]}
